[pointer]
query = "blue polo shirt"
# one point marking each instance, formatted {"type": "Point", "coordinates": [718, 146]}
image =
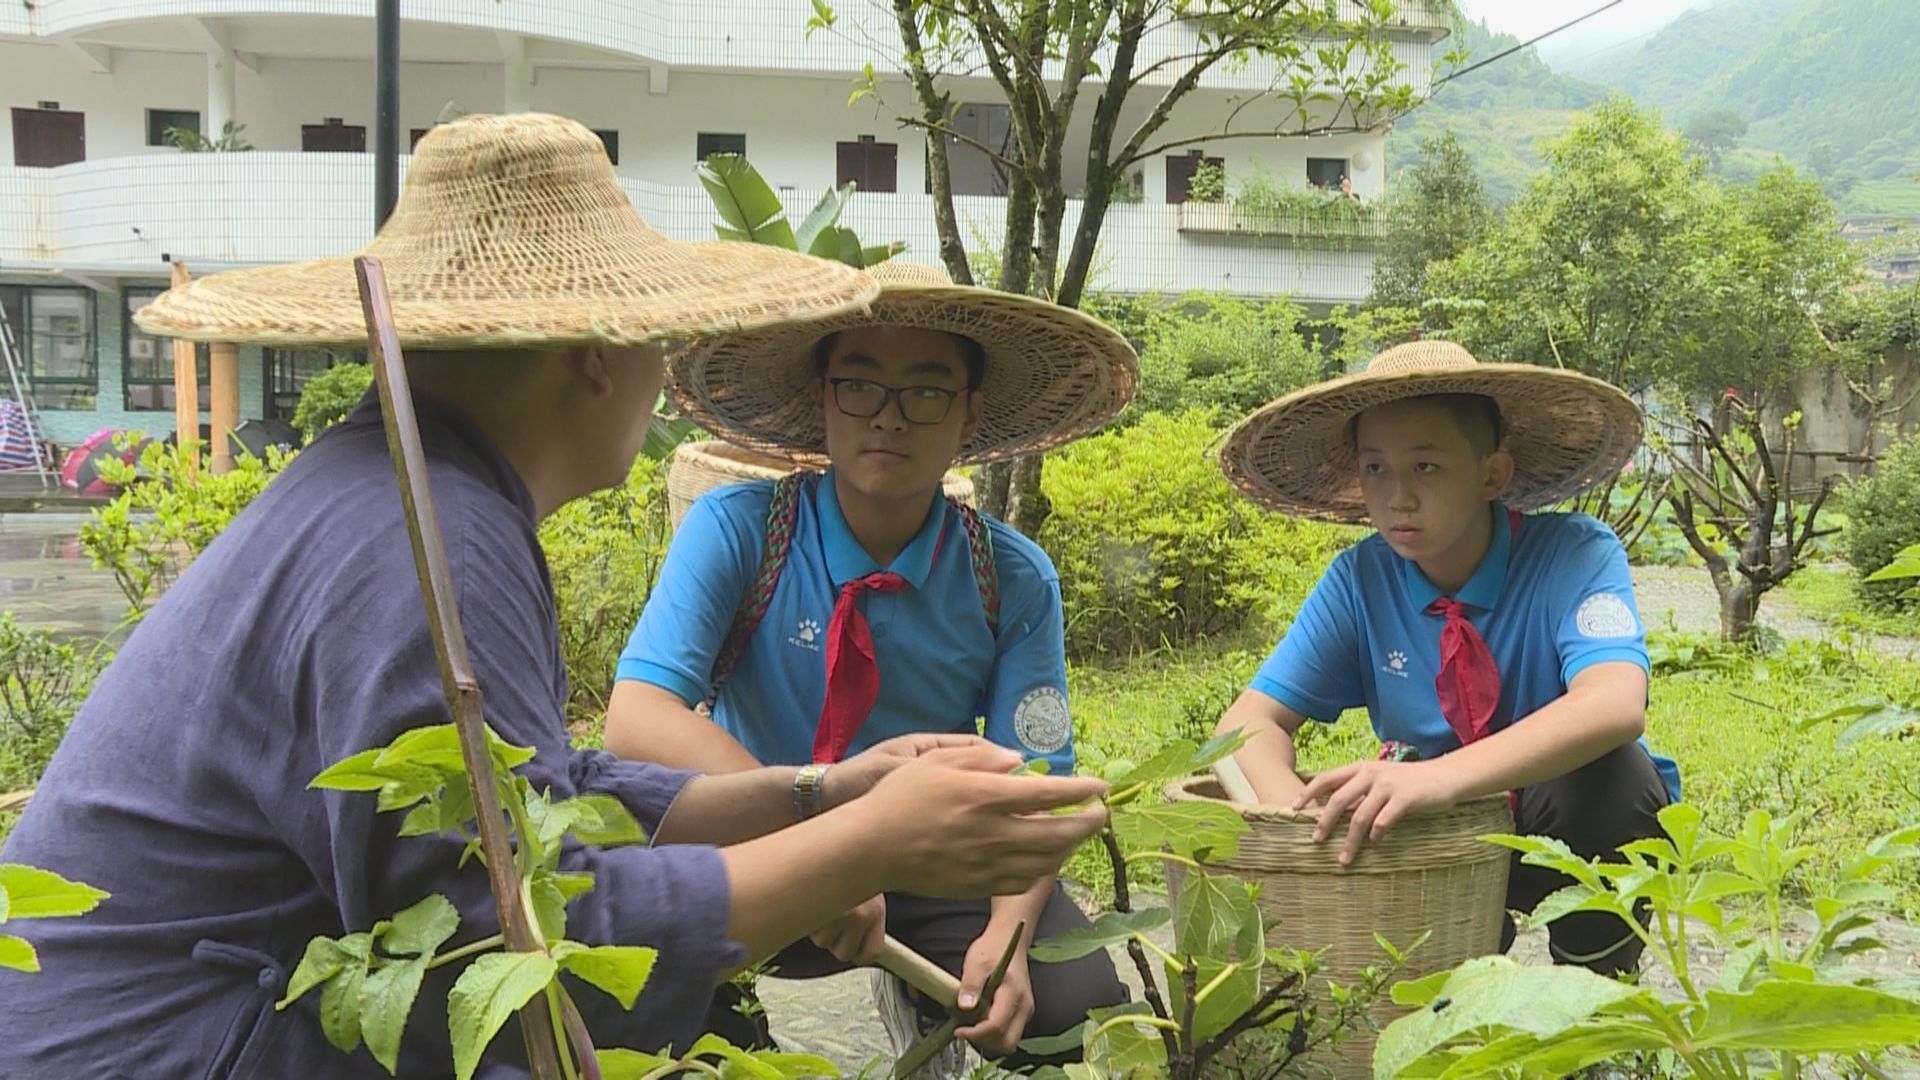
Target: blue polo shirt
{"type": "Point", "coordinates": [1551, 601]}
{"type": "Point", "coordinates": [940, 667]}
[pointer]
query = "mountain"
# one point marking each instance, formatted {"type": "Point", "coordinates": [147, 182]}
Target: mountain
{"type": "Point", "coordinates": [1804, 74]}
{"type": "Point", "coordinates": [1501, 113]}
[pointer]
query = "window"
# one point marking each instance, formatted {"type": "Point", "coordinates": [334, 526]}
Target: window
{"type": "Point", "coordinates": [873, 166]}
{"type": "Point", "coordinates": [54, 327]}
{"type": "Point", "coordinates": [146, 372]}
{"type": "Point", "coordinates": [707, 144]}
{"type": "Point", "coordinates": [415, 135]}
{"type": "Point", "coordinates": [333, 137]}
{"type": "Point", "coordinates": [160, 120]}
{"type": "Point", "coordinates": [1180, 172]}
{"type": "Point", "coordinates": [286, 372]}
{"type": "Point", "coordinates": [1326, 172]}
{"type": "Point", "coordinates": [611, 139]}
{"type": "Point", "coordinates": [47, 137]}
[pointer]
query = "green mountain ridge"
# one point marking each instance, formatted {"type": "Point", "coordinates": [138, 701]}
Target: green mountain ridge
{"type": "Point", "coordinates": [1831, 85]}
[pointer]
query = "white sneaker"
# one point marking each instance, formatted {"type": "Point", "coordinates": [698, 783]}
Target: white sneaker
{"type": "Point", "coordinates": [905, 1027]}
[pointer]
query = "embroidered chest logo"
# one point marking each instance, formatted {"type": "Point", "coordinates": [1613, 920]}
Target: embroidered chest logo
{"type": "Point", "coordinates": [806, 635]}
{"type": "Point", "coordinates": [1604, 615]}
{"type": "Point", "coordinates": [1396, 664]}
{"type": "Point", "coordinates": [1041, 721]}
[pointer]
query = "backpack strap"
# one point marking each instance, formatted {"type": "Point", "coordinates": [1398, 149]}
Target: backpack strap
{"type": "Point", "coordinates": [986, 576]}
{"type": "Point", "coordinates": [782, 514]}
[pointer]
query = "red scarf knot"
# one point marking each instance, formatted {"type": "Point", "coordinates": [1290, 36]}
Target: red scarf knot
{"type": "Point", "coordinates": [853, 679]}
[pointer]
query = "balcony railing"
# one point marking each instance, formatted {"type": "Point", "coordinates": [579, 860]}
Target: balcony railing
{"type": "Point", "coordinates": [127, 215]}
{"type": "Point", "coordinates": [1361, 227]}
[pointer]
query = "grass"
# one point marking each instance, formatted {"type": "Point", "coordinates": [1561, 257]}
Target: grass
{"type": "Point", "coordinates": [1732, 723]}
{"type": "Point", "coordinates": [1893, 196]}
{"type": "Point", "coordinates": [1828, 595]}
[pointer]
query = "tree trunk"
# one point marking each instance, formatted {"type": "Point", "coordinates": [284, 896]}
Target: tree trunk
{"type": "Point", "coordinates": [1027, 505]}
{"type": "Point", "coordinates": [1739, 611]}
{"type": "Point", "coordinates": [992, 487]}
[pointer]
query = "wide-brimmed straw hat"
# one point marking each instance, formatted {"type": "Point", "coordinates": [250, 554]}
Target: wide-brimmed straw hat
{"type": "Point", "coordinates": [511, 231]}
{"type": "Point", "coordinates": [1566, 431]}
{"type": "Point", "coordinates": [1052, 374]}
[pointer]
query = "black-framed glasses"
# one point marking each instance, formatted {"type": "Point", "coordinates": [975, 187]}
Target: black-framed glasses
{"type": "Point", "coordinates": [865, 399]}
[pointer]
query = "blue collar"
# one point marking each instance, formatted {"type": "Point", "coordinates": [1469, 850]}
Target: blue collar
{"type": "Point", "coordinates": [847, 560]}
{"type": "Point", "coordinates": [1483, 588]}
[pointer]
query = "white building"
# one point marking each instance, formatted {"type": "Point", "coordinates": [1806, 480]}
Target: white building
{"type": "Point", "coordinates": [94, 204]}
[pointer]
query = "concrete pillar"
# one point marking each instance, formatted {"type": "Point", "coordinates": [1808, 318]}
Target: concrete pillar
{"type": "Point", "coordinates": [225, 414]}
{"type": "Point", "coordinates": [220, 64]}
{"type": "Point", "coordinates": [186, 376]}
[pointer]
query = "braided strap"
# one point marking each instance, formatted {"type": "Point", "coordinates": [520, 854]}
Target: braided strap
{"type": "Point", "coordinates": [782, 513]}
{"type": "Point", "coordinates": [986, 576]}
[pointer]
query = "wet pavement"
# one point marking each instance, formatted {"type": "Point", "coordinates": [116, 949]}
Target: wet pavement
{"type": "Point", "coordinates": [47, 580]}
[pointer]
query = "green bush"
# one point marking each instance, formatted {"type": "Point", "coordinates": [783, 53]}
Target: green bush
{"type": "Point", "coordinates": [329, 396]}
{"type": "Point", "coordinates": [1218, 352]}
{"type": "Point", "coordinates": [170, 507]}
{"type": "Point", "coordinates": [1154, 547]}
{"type": "Point", "coordinates": [42, 683]}
{"type": "Point", "coordinates": [1883, 516]}
{"type": "Point", "coordinates": [604, 552]}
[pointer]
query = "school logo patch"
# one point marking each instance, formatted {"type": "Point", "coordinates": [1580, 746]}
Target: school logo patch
{"type": "Point", "coordinates": [1604, 615]}
{"type": "Point", "coordinates": [1396, 664]}
{"type": "Point", "coordinates": [1041, 721]}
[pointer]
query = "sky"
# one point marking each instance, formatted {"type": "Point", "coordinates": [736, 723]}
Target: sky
{"type": "Point", "coordinates": [1525, 18]}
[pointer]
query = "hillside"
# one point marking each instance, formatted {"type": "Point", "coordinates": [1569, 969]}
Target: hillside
{"type": "Point", "coordinates": [1501, 113]}
{"type": "Point", "coordinates": [1830, 84]}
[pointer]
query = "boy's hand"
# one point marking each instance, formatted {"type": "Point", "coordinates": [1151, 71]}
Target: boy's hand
{"type": "Point", "coordinates": [998, 1034]}
{"type": "Point", "coordinates": [854, 938]}
{"type": "Point", "coordinates": [1377, 794]}
{"type": "Point", "coordinates": [856, 775]}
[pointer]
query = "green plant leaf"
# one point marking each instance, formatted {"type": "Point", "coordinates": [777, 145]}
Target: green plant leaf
{"type": "Point", "coordinates": [1124, 1050]}
{"type": "Point", "coordinates": [1226, 991]}
{"type": "Point", "coordinates": [1196, 830]}
{"type": "Point", "coordinates": [1165, 766]}
{"type": "Point", "coordinates": [1807, 1018]}
{"type": "Point", "coordinates": [322, 961]}
{"type": "Point", "coordinates": [33, 893]}
{"type": "Point", "coordinates": [1054, 1045]}
{"type": "Point", "coordinates": [1493, 992]}
{"type": "Point", "coordinates": [1112, 928]}
{"type": "Point", "coordinates": [356, 773]}
{"type": "Point", "coordinates": [875, 254]}
{"type": "Point", "coordinates": [1416, 992]}
{"type": "Point", "coordinates": [1217, 749]}
{"type": "Point", "coordinates": [1890, 721]}
{"type": "Point", "coordinates": [737, 1062]}
{"type": "Point", "coordinates": [615, 826]}
{"type": "Point", "coordinates": [617, 1063]}
{"type": "Point", "coordinates": [1545, 851]}
{"type": "Point", "coordinates": [386, 1000]}
{"type": "Point", "coordinates": [836, 242]}
{"type": "Point", "coordinates": [1564, 1054]}
{"type": "Point", "coordinates": [620, 970]}
{"type": "Point", "coordinates": [18, 954]}
{"type": "Point", "coordinates": [422, 928]}
{"type": "Point", "coordinates": [825, 214]}
{"type": "Point", "coordinates": [340, 1004]}
{"type": "Point", "coordinates": [1215, 915]}
{"type": "Point", "coordinates": [489, 991]}
{"type": "Point", "coordinates": [746, 203]}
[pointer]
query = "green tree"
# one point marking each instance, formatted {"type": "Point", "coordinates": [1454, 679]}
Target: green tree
{"type": "Point", "coordinates": [1601, 262]}
{"type": "Point", "coordinates": [1335, 69]}
{"type": "Point", "coordinates": [1439, 210]}
{"type": "Point", "coordinates": [1223, 353]}
{"type": "Point", "coordinates": [1716, 133]}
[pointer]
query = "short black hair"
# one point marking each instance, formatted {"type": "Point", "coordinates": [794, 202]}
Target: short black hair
{"type": "Point", "coordinates": [1477, 417]}
{"type": "Point", "coordinates": [972, 354]}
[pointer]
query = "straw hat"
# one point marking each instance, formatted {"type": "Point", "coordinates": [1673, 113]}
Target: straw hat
{"type": "Point", "coordinates": [511, 231]}
{"type": "Point", "coordinates": [1566, 431]}
{"type": "Point", "coordinates": [1053, 374]}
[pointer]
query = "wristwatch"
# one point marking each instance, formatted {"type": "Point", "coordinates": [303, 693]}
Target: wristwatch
{"type": "Point", "coordinates": [810, 790]}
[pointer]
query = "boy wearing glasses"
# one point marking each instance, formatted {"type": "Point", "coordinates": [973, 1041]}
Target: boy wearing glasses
{"type": "Point", "coordinates": [819, 614]}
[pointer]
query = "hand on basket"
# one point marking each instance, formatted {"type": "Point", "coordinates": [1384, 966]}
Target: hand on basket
{"type": "Point", "coordinates": [1378, 794]}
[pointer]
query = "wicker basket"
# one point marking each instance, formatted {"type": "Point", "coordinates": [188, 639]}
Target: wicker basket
{"type": "Point", "coordinates": [1430, 873]}
{"type": "Point", "coordinates": [701, 466]}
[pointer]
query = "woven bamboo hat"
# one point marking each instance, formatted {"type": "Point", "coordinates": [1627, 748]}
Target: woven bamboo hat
{"type": "Point", "coordinates": [1566, 431]}
{"type": "Point", "coordinates": [511, 231]}
{"type": "Point", "coordinates": [1053, 374]}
